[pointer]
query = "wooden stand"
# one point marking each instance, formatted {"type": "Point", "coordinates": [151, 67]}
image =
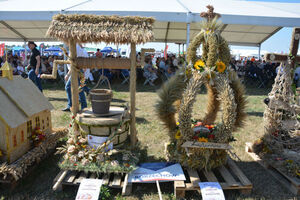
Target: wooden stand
{"type": "Point", "coordinates": [229, 176]}
{"type": "Point", "coordinates": [291, 183]}
{"type": "Point", "coordinates": [68, 178]}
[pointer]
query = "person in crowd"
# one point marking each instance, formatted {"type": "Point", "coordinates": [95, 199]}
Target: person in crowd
{"type": "Point", "coordinates": [82, 97]}
{"type": "Point", "coordinates": [162, 64]}
{"type": "Point", "coordinates": [26, 61]}
{"type": "Point", "coordinates": [35, 65]}
{"type": "Point", "coordinates": [174, 61]}
{"type": "Point", "coordinates": [262, 65]}
{"type": "Point", "coordinates": [297, 76]}
{"type": "Point", "coordinates": [138, 57]}
{"type": "Point", "coordinates": [98, 54]}
{"type": "Point", "coordinates": [149, 71]}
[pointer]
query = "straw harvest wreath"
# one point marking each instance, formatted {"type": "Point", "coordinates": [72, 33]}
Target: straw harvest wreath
{"type": "Point", "coordinates": [225, 91]}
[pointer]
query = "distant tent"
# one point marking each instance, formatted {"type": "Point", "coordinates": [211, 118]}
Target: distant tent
{"type": "Point", "coordinates": [108, 50]}
{"type": "Point", "coordinates": [54, 48]}
{"type": "Point", "coordinates": [18, 49]}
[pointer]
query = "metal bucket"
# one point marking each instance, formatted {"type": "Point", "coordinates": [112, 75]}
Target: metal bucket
{"type": "Point", "coordinates": [100, 99]}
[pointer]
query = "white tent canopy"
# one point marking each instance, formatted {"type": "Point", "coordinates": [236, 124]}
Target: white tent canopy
{"type": "Point", "coordinates": [245, 23]}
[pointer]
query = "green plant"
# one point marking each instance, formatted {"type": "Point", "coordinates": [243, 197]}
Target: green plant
{"type": "Point", "coordinates": [105, 193]}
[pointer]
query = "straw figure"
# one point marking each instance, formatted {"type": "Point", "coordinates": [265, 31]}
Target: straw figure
{"type": "Point", "coordinates": [281, 141]}
{"type": "Point", "coordinates": [225, 92]}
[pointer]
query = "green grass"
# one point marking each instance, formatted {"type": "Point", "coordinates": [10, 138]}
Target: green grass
{"type": "Point", "coordinates": [152, 136]}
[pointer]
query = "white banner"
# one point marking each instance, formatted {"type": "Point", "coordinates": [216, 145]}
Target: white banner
{"type": "Point", "coordinates": [211, 191]}
{"type": "Point", "coordinates": [151, 172]}
{"type": "Point", "coordinates": [89, 189]}
{"type": "Point", "coordinates": [95, 141]}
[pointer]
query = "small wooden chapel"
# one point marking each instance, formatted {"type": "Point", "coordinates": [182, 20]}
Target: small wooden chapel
{"type": "Point", "coordinates": [23, 108]}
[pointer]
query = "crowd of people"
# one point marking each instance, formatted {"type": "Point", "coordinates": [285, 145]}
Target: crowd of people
{"type": "Point", "coordinates": [250, 70]}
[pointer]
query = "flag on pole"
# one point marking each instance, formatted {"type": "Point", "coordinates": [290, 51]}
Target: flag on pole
{"type": "Point", "coordinates": [166, 52]}
{"type": "Point", "coordinates": [2, 49]}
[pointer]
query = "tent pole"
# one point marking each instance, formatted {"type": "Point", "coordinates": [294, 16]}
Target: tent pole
{"type": "Point", "coordinates": [259, 48]}
{"type": "Point", "coordinates": [133, 138]}
{"type": "Point", "coordinates": [25, 59]}
{"type": "Point", "coordinates": [188, 29]}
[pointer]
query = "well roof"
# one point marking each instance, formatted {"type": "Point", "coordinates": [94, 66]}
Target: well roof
{"type": "Point", "coordinates": [20, 98]}
{"type": "Point", "coordinates": [100, 28]}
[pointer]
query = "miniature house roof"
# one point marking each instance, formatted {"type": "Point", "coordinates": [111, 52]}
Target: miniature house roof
{"type": "Point", "coordinates": [20, 99]}
{"type": "Point", "coordinates": [94, 28]}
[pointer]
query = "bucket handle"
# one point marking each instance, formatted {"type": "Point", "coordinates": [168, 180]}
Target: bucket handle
{"type": "Point", "coordinates": [102, 77]}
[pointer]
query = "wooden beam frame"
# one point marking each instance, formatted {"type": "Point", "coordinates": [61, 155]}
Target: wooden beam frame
{"type": "Point", "coordinates": [133, 137]}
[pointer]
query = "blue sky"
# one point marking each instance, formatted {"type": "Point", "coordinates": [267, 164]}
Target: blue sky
{"type": "Point", "coordinates": [279, 41]}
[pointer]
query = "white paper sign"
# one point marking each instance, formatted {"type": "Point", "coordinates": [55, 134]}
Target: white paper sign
{"type": "Point", "coordinates": [95, 141]}
{"type": "Point", "coordinates": [211, 191]}
{"type": "Point", "coordinates": [89, 189]}
{"type": "Point", "coordinates": [150, 172]}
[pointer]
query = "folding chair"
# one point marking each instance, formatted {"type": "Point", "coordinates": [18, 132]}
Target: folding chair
{"type": "Point", "coordinates": [163, 75]}
{"type": "Point", "coordinates": [125, 75]}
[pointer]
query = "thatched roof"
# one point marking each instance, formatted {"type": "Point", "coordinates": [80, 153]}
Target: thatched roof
{"type": "Point", "coordinates": [95, 28]}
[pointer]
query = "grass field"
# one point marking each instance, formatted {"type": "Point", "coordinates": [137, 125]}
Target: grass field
{"type": "Point", "coordinates": [152, 136]}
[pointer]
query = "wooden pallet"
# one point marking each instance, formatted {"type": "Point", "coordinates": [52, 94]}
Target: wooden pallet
{"type": "Point", "coordinates": [291, 183]}
{"type": "Point", "coordinates": [68, 178]}
{"type": "Point", "coordinates": [229, 176]}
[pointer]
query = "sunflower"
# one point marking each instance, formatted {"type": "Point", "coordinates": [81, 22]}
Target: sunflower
{"type": "Point", "coordinates": [220, 67]}
{"type": "Point", "coordinates": [178, 135]}
{"type": "Point", "coordinates": [202, 139]}
{"type": "Point", "coordinates": [199, 64]}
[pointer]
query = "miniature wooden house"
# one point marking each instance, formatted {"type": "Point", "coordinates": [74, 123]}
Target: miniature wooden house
{"type": "Point", "coordinates": [22, 108]}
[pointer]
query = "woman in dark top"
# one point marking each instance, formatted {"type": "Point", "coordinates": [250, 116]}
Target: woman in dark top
{"type": "Point", "coordinates": [35, 65]}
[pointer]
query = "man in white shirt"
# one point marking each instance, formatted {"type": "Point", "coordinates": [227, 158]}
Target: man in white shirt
{"type": "Point", "coordinates": [82, 98]}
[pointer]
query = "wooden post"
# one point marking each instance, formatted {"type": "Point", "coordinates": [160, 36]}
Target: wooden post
{"type": "Point", "coordinates": [74, 78]}
{"type": "Point", "coordinates": [294, 45]}
{"type": "Point", "coordinates": [133, 138]}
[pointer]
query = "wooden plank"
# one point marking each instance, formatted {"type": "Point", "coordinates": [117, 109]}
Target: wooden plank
{"type": "Point", "coordinates": [58, 175]}
{"type": "Point", "coordinates": [116, 181]}
{"type": "Point", "coordinates": [133, 138]}
{"type": "Point", "coordinates": [58, 180]}
{"type": "Point", "coordinates": [74, 79]}
{"type": "Point", "coordinates": [227, 176]}
{"type": "Point", "coordinates": [207, 145]}
{"type": "Point", "coordinates": [105, 179]}
{"type": "Point", "coordinates": [210, 176]}
{"type": "Point", "coordinates": [235, 169]}
{"type": "Point", "coordinates": [193, 177]}
{"type": "Point", "coordinates": [179, 184]}
{"type": "Point", "coordinates": [179, 189]}
{"type": "Point", "coordinates": [293, 180]}
{"type": "Point", "coordinates": [105, 63]}
{"type": "Point", "coordinates": [127, 187]}
{"type": "Point", "coordinates": [93, 175]}
{"type": "Point", "coordinates": [81, 176]}
{"type": "Point", "coordinates": [70, 177]}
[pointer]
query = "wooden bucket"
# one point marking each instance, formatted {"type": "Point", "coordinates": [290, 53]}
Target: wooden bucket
{"type": "Point", "coordinates": [101, 98]}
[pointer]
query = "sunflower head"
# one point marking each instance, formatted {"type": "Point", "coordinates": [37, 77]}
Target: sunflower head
{"type": "Point", "coordinates": [199, 64]}
{"type": "Point", "coordinates": [220, 66]}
